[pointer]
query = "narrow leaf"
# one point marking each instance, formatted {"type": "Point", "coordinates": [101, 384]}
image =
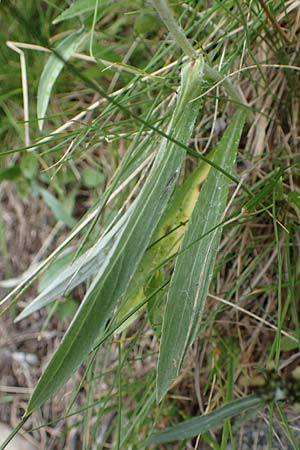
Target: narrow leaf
{"type": "Point", "coordinates": [195, 262]}
{"type": "Point", "coordinates": [123, 259]}
{"type": "Point", "coordinates": [88, 264]}
{"type": "Point", "coordinates": [294, 199]}
{"type": "Point", "coordinates": [76, 9]}
{"type": "Point", "coordinates": [201, 424]}
{"type": "Point", "coordinates": [71, 276]}
{"type": "Point", "coordinates": [52, 69]}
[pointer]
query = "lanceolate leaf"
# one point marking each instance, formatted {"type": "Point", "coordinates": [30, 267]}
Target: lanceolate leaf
{"type": "Point", "coordinates": [126, 253]}
{"type": "Point", "coordinates": [85, 266]}
{"type": "Point", "coordinates": [195, 262]}
{"type": "Point", "coordinates": [164, 243]}
{"type": "Point", "coordinates": [52, 69]}
{"type": "Point", "coordinates": [76, 9]}
{"type": "Point", "coordinates": [201, 424]}
{"type": "Point", "coordinates": [82, 8]}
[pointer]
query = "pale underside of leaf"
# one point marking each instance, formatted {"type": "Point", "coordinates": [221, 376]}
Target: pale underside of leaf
{"type": "Point", "coordinates": [82, 268]}
{"type": "Point", "coordinates": [86, 265]}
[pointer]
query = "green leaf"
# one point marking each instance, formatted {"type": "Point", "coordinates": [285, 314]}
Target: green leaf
{"type": "Point", "coordinates": [195, 263]}
{"type": "Point", "coordinates": [294, 199]}
{"type": "Point", "coordinates": [68, 276]}
{"type": "Point", "coordinates": [92, 177]}
{"type": "Point", "coordinates": [52, 70]}
{"type": "Point", "coordinates": [167, 238]}
{"type": "Point", "coordinates": [10, 174]}
{"type": "Point", "coordinates": [122, 261]}
{"type": "Point", "coordinates": [76, 9]}
{"type": "Point", "coordinates": [57, 208]}
{"type": "Point", "coordinates": [29, 165]}
{"type": "Point", "coordinates": [66, 309]}
{"type": "Point", "coordinates": [265, 191]}
{"type": "Point", "coordinates": [287, 344]}
{"type": "Point", "coordinates": [146, 23]}
{"type": "Point", "coordinates": [201, 424]}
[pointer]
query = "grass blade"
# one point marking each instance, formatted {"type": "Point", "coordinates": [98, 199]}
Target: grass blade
{"type": "Point", "coordinates": [123, 259]}
{"type": "Point", "coordinates": [52, 69]}
{"type": "Point", "coordinates": [194, 266]}
{"type": "Point", "coordinates": [201, 424]}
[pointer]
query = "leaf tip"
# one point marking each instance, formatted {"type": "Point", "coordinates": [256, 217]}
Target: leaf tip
{"type": "Point", "coordinates": [162, 386]}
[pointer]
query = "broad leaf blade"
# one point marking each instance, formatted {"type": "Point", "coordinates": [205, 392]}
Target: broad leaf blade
{"type": "Point", "coordinates": [195, 262]}
{"type": "Point", "coordinates": [52, 69]}
{"type": "Point", "coordinates": [125, 255]}
{"type": "Point", "coordinates": [201, 424]}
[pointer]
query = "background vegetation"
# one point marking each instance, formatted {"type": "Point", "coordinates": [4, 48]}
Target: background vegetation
{"type": "Point", "coordinates": [89, 217]}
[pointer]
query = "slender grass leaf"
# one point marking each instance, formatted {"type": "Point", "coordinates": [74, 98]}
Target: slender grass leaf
{"type": "Point", "coordinates": [194, 266]}
{"type": "Point", "coordinates": [52, 69]}
{"type": "Point", "coordinates": [294, 199]}
{"type": "Point", "coordinates": [201, 424]}
{"type": "Point", "coordinates": [122, 261]}
{"type": "Point", "coordinates": [287, 426]}
{"type": "Point", "coordinates": [265, 191]}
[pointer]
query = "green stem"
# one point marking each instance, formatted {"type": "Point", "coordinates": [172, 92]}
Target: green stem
{"type": "Point", "coordinates": [167, 16]}
{"type": "Point", "coordinates": [14, 432]}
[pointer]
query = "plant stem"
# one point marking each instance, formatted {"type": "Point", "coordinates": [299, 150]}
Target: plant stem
{"type": "Point", "coordinates": [167, 16]}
